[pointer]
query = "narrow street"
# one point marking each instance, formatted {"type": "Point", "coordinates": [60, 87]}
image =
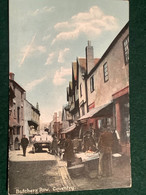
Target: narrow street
{"type": "Point", "coordinates": [44, 173]}
{"type": "Point", "coordinates": [37, 173]}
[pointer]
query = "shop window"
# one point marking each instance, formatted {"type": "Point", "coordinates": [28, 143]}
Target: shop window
{"type": "Point", "coordinates": [105, 72]}
{"type": "Point", "coordinates": [126, 49]}
{"type": "Point", "coordinates": [92, 83]}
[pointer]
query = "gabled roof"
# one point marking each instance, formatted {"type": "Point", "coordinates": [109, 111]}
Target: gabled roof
{"type": "Point", "coordinates": [110, 47]}
{"type": "Point", "coordinates": [15, 83]}
{"type": "Point", "coordinates": [82, 62]}
{"type": "Point", "coordinates": [96, 60]}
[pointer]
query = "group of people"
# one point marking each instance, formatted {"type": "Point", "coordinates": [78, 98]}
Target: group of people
{"type": "Point", "coordinates": [107, 144]}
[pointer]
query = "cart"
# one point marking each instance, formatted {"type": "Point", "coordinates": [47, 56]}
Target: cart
{"type": "Point", "coordinates": [41, 141]}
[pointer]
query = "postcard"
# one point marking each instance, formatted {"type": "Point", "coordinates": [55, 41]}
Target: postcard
{"type": "Point", "coordinates": [69, 120]}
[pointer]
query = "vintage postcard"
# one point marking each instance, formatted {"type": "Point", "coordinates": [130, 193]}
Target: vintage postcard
{"type": "Point", "coordinates": [69, 122]}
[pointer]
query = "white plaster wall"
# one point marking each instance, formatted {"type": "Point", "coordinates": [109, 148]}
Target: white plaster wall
{"type": "Point", "coordinates": [118, 75]}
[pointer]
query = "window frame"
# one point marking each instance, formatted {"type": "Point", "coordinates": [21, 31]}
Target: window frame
{"type": "Point", "coordinates": [92, 88]}
{"type": "Point", "coordinates": [126, 51]}
{"type": "Point", "coordinates": [81, 94]}
{"type": "Point", "coordinates": [18, 114]}
{"type": "Point", "coordinates": [105, 72]}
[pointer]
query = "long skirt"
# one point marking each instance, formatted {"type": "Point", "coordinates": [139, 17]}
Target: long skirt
{"type": "Point", "coordinates": [105, 164]}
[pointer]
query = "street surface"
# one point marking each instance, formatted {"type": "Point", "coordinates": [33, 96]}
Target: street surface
{"type": "Point", "coordinates": [37, 173]}
{"type": "Point", "coordinates": [44, 173]}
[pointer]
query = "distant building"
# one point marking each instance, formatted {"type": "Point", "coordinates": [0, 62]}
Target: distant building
{"type": "Point", "coordinates": [55, 125]}
{"type": "Point", "coordinates": [24, 118]}
{"type": "Point", "coordinates": [31, 119]}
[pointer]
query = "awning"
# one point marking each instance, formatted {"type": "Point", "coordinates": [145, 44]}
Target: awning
{"type": "Point", "coordinates": [102, 111]}
{"type": "Point", "coordinates": [33, 123]}
{"type": "Point", "coordinates": [71, 128]}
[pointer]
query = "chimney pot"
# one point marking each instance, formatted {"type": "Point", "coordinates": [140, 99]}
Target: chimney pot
{"type": "Point", "coordinates": [11, 76]}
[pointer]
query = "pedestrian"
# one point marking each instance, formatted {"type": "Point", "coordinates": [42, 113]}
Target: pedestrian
{"type": "Point", "coordinates": [105, 147]}
{"type": "Point", "coordinates": [69, 153]}
{"type": "Point", "coordinates": [55, 145]}
{"type": "Point", "coordinates": [16, 144]}
{"type": "Point", "coordinates": [61, 145]}
{"type": "Point", "coordinates": [24, 144]}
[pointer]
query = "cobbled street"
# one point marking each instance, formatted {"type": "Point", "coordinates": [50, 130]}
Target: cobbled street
{"type": "Point", "coordinates": [37, 173]}
{"type": "Point", "coordinates": [44, 173]}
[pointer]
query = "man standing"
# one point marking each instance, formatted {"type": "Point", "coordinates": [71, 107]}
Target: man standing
{"type": "Point", "coordinates": [24, 144]}
{"type": "Point", "coordinates": [105, 147]}
{"type": "Point", "coordinates": [69, 153]}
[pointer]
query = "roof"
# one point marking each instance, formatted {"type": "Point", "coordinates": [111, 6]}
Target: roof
{"type": "Point", "coordinates": [96, 60]}
{"type": "Point", "coordinates": [82, 62]}
{"type": "Point", "coordinates": [97, 112]}
{"type": "Point", "coordinates": [12, 93]}
{"type": "Point", "coordinates": [109, 48]}
{"type": "Point", "coordinates": [33, 107]}
{"type": "Point", "coordinates": [11, 80]}
{"type": "Point", "coordinates": [69, 129]}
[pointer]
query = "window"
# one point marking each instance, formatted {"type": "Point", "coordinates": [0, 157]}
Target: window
{"type": "Point", "coordinates": [92, 83]}
{"type": "Point", "coordinates": [126, 49]}
{"type": "Point", "coordinates": [18, 114]}
{"type": "Point", "coordinates": [14, 113]}
{"type": "Point", "coordinates": [105, 72]}
{"type": "Point", "coordinates": [81, 90]}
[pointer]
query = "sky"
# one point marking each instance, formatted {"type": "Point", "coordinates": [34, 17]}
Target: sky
{"type": "Point", "coordinates": [46, 36]}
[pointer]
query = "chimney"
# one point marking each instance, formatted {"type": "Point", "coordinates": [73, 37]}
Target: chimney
{"type": "Point", "coordinates": [11, 76]}
{"type": "Point", "coordinates": [89, 57]}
